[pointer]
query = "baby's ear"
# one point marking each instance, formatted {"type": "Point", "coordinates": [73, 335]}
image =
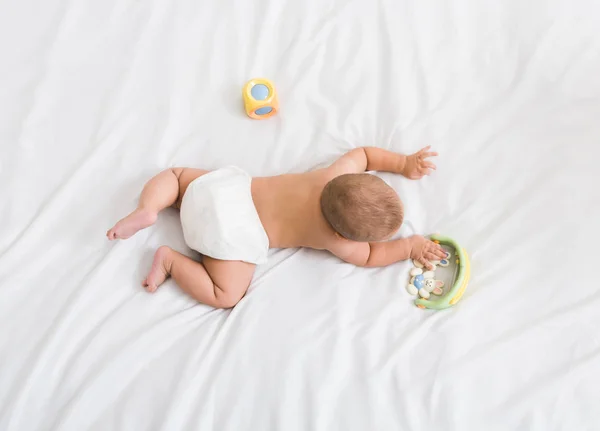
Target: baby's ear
{"type": "Point", "coordinates": [439, 283]}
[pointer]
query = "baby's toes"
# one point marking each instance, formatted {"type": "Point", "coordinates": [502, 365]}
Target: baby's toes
{"type": "Point", "coordinates": [112, 234]}
{"type": "Point", "coordinates": [149, 286]}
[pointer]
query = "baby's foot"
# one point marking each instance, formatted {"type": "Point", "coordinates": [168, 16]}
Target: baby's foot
{"type": "Point", "coordinates": [161, 268]}
{"type": "Point", "coordinates": [137, 220]}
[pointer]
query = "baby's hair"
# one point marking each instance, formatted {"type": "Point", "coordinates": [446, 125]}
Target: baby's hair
{"type": "Point", "coordinates": [362, 207]}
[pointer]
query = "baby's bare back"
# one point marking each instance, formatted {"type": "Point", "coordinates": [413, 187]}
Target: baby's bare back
{"type": "Point", "coordinates": [289, 209]}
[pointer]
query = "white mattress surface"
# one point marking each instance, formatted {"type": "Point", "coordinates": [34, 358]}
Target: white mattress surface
{"type": "Point", "coordinates": [98, 96]}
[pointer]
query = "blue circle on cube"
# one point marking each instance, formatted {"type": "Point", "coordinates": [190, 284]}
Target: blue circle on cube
{"type": "Point", "coordinates": [260, 92]}
{"type": "Point", "coordinates": [263, 111]}
{"type": "Point", "coordinates": [443, 261]}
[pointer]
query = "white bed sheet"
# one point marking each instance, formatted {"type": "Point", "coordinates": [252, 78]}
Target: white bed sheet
{"type": "Point", "coordinates": [97, 96]}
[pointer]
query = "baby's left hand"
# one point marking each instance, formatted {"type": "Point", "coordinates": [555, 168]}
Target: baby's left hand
{"type": "Point", "coordinates": [417, 165]}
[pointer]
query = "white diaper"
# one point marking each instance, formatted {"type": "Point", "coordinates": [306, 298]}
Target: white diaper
{"type": "Point", "coordinates": [219, 218]}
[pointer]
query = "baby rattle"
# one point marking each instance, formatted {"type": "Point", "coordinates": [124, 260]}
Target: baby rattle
{"type": "Point", "coordinates": [260, 99]}
{"type": "Point", "coordinates": [423, 284]}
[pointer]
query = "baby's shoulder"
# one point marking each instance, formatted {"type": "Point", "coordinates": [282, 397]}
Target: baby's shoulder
{"type": "Point", "coordinates": [350, 251]}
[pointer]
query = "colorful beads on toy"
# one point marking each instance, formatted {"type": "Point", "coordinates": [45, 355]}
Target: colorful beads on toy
{"type": "Point", "coordinates": [416, 271]}
{"type": "Point", "coordinates": [419, 281]}
{"type": "Point", "coordinates": [434, 286]}
{"type": "Point", "coordinates": [422, 284]}
{"type": "Point", "coordinates": [425, 284]}
{"type": "Point", "coordinates": [429, 284]}
{"type": "Point", "coordinates": [260, 98]}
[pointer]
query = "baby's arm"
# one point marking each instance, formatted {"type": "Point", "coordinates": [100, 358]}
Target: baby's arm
{"type": "Point", "coordinates": [364, 159]}
{"type": "Point", "coordinates": [376, 254]}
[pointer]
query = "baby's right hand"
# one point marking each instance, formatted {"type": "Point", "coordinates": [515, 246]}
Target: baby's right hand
{"type": "Point", "coordinates": [424, 250]}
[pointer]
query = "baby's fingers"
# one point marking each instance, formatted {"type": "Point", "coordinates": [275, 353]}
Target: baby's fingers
{"type": "Point", "coordinates": [432, 256]}
{"type": "Point", "coordinates": [424, 152]}
{"type": "Point", "coordinates": [440, 253]}
{"type": "Point", "coordinates": [426, 263]}
{"type": "Point", "coordinates": [436, 250]}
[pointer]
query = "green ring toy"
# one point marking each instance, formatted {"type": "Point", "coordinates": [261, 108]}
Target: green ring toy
{"type": "Point", "coordinates": [461, 277]}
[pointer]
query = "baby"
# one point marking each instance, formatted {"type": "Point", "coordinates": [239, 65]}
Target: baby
{"type": "Point", "coordinates": [233, 220]}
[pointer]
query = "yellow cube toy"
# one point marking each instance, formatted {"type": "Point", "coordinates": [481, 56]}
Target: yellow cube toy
{"type": "Point", "coordinates": [260, 99]}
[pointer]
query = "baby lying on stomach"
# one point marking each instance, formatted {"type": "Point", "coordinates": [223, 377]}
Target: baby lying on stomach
{"type": "Point", "coordinates": [233, 220]}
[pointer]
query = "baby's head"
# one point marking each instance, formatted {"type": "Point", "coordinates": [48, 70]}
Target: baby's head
{"type": "Point", "coordinates": [362, 207]}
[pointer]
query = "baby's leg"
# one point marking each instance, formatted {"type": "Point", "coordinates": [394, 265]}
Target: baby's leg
{"type": "Point", "coordinates": [218, 283]}
{"type": "Point", "coordinates": [162, 191]}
